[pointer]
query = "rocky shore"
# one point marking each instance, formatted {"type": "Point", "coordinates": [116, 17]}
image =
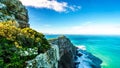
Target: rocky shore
{"type": "Point", "coordinates": [84, 59]}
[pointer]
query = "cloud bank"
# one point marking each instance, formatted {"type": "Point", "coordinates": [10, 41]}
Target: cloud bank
{"type": "Point", "coordinates": [96, 29]}
{"type": "Point", "coordinates": [50, 4]}
{"type": "Point", "coordinates": [86, 29]}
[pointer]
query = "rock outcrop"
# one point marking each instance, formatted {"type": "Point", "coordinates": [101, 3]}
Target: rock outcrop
{"type": "Point", "coordinates": [66, 50]}
{"type": "Point", "coordinates": [60, 55]}
{"type": "Point", "coordinates": [48, 59]}
{"type": "Point", "coordinates": [15, 11]}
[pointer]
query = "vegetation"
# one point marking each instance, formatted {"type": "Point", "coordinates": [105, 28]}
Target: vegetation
{"type": "Point", "coordinates": [13, 40]}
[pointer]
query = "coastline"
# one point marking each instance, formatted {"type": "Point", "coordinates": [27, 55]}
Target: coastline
{"type": "Point", "coordinates": [84, 59]}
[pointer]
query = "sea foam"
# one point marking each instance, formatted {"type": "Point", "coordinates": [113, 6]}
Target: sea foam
{"type": "Point", "coordinates": [82, 47]}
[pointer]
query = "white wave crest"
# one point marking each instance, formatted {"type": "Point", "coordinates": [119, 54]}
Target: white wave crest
{"type": "Point", "coordinates": [82, 47]}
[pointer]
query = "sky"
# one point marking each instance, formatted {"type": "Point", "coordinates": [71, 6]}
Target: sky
{"type": "Point", "coordinates": [74, 16]}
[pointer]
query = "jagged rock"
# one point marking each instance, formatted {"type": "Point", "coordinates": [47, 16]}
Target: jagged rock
{"type": "Point", "coordinates": [87, 60]}
{"type": "Point", "coordinates": [13, 10]}
{"type": "Point", "coordinates": [48, 59]}
{"type": "Point", "coordinates": [79, 54]}
{"type": "Point", "coordinates": [66, 50]}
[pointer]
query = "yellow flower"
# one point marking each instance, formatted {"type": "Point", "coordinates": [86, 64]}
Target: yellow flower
{"type": "Point", "coordinates": [17, 45]}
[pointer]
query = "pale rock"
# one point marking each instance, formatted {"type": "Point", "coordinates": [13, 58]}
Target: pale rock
{"type": "Point", "coordinates": [48, 59]}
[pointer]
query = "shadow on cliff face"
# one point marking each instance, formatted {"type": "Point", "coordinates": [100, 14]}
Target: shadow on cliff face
{"type": "Point", "coordinates": [65, 61]}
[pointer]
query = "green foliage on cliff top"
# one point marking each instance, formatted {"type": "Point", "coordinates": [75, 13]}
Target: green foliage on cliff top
{"type": "Point", "coordinates": [13, 40]}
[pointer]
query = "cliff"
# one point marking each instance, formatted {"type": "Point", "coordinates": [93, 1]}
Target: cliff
{"type": "Point", "coordinates": [26, 48]}
{"type": "Point", "coordinates": [64, 54]}
{"type": "Point", "coordinates": [60, 55]}
{"type": "Point", "coordinates": [66, 50]}
{"type": "Point", "coordinates": [74, 57]}
{"type": "Point", "coordinates": [15, 11]}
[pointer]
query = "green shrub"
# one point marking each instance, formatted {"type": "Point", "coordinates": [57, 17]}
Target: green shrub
{"type": "Point", "coordinates": [13, 39]}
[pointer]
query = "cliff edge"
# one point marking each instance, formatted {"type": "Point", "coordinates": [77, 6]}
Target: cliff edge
{"type": "Point", "coordinates": [66, 50]}
{"type": "Point", "coordinates": [74, 57]}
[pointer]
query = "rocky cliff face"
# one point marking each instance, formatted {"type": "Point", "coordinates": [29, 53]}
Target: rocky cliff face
{"type": "Point", "coordinates": [73, 57]}
{"type": "Point", "coordinates": [15, 11]}
{"type": "Point", "coordinates": [60, 55]}
{"type": "Point", "coordinates": [48, 59]}
{"type": "Point", "coordinates": [64, 54]}
{"type": "Point", "coordinates": [66, 50]}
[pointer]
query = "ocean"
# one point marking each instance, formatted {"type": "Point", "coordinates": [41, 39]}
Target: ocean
{"type": "Point", "coordinates": [107, 48]}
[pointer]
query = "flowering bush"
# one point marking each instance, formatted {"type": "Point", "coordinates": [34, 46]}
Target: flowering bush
{"type": "Point", "coordinates": [13, 39]}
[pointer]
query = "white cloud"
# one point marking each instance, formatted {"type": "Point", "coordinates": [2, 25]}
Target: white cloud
{"type": "Point", "coordinates": [50, 4]}
{"type": "Point", "coordinates": [74, 8]}
{"type": "Point", "coordinates": [85, 29]}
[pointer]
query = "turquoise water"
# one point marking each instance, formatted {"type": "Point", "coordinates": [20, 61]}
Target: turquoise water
{"type": "Point", "coordinates": [107, 48]}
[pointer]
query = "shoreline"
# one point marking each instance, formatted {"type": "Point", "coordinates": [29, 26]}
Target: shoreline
{"type": "Point", "coordinates": [84, 59]}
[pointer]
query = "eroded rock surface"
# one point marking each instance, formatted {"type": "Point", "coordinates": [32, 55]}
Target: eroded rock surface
{"type": "Point", "coordinates": [13, 10]}
{"type": "Point", "coordinates": [48, 59]}
{"type": "Point", "coordinates": [66, 50]}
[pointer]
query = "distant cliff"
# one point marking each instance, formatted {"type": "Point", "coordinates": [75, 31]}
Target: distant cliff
{"type": "Point", "coordinates": [14, 10]}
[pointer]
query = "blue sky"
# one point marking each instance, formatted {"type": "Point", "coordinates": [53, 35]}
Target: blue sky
{"type": "Point", "coordinates": [74, 16]}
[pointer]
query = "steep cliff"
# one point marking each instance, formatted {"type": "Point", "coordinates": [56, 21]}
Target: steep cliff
{"type": "Point", "coordinates": [60, 55]}
{"type": "Point", "coordinates": [66, 50]}
{"type": "Point", "coordinates": [74, 57]}
{"type": "Point", "coordinates": [15, 11]}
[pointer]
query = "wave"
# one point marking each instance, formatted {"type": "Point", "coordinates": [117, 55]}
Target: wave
{"type": "Point", "coordinates": [85, 59]}
{"type": "Point", "coordinates": [82, 47]}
